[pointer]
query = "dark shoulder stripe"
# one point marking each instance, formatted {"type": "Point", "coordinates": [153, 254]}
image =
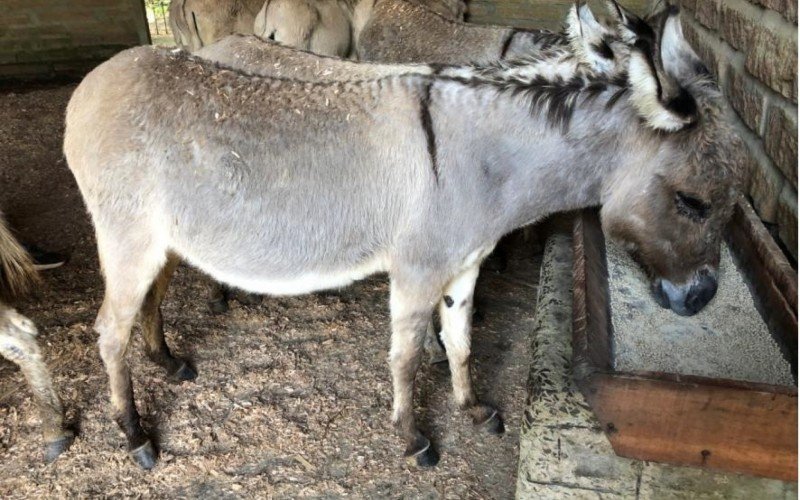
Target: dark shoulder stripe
{"type": "Point", "coordinates": [427, 127]}
{"type": "Point", "coordinates": [507, 43]}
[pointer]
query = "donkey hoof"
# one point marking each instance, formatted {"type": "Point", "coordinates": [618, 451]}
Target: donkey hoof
{"type": "Point", "coordinates": [145, 456]}
{"type": "Point", "coordinates": [248, 299]}
{"type": "Point", "coordinates": [427, 456]}
{"type": "Point", "coordinates": [185, 372]}
{"type": "Point", "coordinates": [493, 424]}
{"type": "Point", "coordinates": [218, 306]}
{"type": "Point", "coordinates": [55, 448]}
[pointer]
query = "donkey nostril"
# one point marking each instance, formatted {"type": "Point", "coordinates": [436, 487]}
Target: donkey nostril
{"type": "Point", "coordinates": [701, 294]}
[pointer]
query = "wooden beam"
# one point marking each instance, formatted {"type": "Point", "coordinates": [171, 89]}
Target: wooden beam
{"type": "Point", "coordinates": [713, 426]}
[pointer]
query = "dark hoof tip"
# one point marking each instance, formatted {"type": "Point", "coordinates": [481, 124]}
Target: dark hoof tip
{"type": "Point", "coordinates": [427, 457]}
{"type": "Point", "coordinates": [218, 306]}
{"type": "Point", "coordinates": [494, 425]}
{"type": "Point", "coordinates": [53, 449]}
{"type": "Point", "coordinates": [185, 372]}
{"type": "Point", "coordinates": [145, 456]}
{"type": "Point", "coordinates": [249, 299]}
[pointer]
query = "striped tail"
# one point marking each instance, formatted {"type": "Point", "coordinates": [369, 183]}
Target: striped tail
{"type": "Point", "coordinates": [17, 273]}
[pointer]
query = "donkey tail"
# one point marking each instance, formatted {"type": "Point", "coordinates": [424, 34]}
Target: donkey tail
{"type": "Point", "coordinates": [17, 272]}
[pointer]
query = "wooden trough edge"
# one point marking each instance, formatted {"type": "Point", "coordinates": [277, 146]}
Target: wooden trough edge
{"type": "Point", "coordinates": [718, 424]}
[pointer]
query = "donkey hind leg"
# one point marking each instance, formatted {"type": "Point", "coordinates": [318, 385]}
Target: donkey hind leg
{"type": "Point", "coordinates": [433, 348]}
{"type": "Point", "coordinates": [456, 313]}
{"type": "Point", "coordinates": [411, 310]}
{"type": "Point", "coordinates": [153, 327]}
{"type": "Point", "coordinates": [128, 278]}
{"type": "Point", "coordinates": [18, 344]}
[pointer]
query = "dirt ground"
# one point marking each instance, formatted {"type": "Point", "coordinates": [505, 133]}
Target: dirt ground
{"type": "Point", "coordinates": [293, 396]}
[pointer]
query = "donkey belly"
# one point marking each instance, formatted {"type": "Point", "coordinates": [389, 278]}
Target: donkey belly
{"type": "Point", "coordinates": [282, 243]}
{"type": "Point", "coordinates": [256, 281]}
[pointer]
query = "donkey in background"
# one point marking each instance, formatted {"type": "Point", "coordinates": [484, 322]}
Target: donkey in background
{"type": "Point", "coordinates": [415, 175]}
{"type": "Point", "coordinates": [403, 31]}
{"type": "Point", "coordinates": [18, 343]}
{"type": "Point", "coordinates": [328, 27]}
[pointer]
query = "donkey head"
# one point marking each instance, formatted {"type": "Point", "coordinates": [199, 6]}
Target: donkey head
{"type": "Point", "coordinates": [671, 201]}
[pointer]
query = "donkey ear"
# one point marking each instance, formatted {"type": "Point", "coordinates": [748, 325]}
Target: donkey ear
{"type": "Point", "coordinates": [587, 38]}
{"type": "Point", "coordinates": [677, 55]}
{"type": "Point", "coordinates": [657, 97]}
{"type": "Point", "coordinates": [631, 27]}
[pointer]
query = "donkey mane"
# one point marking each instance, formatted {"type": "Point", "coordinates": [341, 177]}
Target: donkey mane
{"type": "Point", "coordinates": [556, 98]}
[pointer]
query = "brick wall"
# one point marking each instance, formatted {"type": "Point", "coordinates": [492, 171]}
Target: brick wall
{"type": "Point", "coordinates": [751, 46]}
{"type": "Point", "coordinates": [50, 37]}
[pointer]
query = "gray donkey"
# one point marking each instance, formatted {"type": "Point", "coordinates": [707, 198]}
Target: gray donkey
{"type": "Point", "coordinates": [18, 343]}
{"type": "Point", "coordinates": [257, 56]}
{"type": "Point", "coordinates": [415, 175]}
{"type": "Point", "coordinates": [401, 31]}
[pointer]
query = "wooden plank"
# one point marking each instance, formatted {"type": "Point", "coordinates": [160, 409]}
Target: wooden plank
{"type": "Point", "coordinates": [771, 275]}
{"type": "Point", "coordinates": [591, 341]}
{"type": "Point", "coordinates": [752, 432]}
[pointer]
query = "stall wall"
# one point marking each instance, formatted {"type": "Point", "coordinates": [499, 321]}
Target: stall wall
{"type": "Point", "coordinates": [51, 37]}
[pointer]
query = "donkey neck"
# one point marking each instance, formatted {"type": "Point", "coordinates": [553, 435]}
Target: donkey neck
{"type": "Point", "coordinates": [532, 166]}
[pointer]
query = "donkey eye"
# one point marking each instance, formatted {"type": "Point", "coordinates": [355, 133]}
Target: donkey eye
{"type": "Point", "coordinates": [691, 207]}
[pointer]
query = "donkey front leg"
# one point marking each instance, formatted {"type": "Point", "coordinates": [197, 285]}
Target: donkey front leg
{"type": "Point", "coordinates": [411, 309]}
{"type": "Point", "coordinates": [456, 313]}
{"type": "Point", "coordinates": [18, 344]}
{"type": "Point", "coordinates": [153, 326]}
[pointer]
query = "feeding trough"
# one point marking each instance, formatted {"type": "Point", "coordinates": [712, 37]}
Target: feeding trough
{"type": "Point", "coordinates": [684, 406]}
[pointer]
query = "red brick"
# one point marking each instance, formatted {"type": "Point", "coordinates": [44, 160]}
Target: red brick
{"type": "Point", "coordinates": [707, 13]}
{"type": "Point", "coordinates": [772, 58]}
{"type": "Point", "coordinates": [786, 8]}
{"type": "Point", "coordinates": [745, 99]}
{"type": "Point", "coordinates": [737, 28]}
{"type": "Point", "coordinates": [780, 142]}
{"type": "Point", "coordinates": [765, 188]}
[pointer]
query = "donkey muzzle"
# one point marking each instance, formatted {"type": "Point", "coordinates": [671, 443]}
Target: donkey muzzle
{"type": "Point", "coordinates": [689, 298]}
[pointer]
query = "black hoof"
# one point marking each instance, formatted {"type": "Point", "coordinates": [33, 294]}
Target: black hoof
{"type": "Point", "coordinates": [55, 448]}
{"type": "Point", "coordinates": [218, 306]}
{"type": "Point", "coordinates": [426, 456]}
{"type": "Point", "coordinates": [145, 456]}
{"type": "Point", "coordinates": [185, 372]}
{"type": "Point", "coordinates": [248, 299]}
{"type": "Point", "coordinates": [493, 425]}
